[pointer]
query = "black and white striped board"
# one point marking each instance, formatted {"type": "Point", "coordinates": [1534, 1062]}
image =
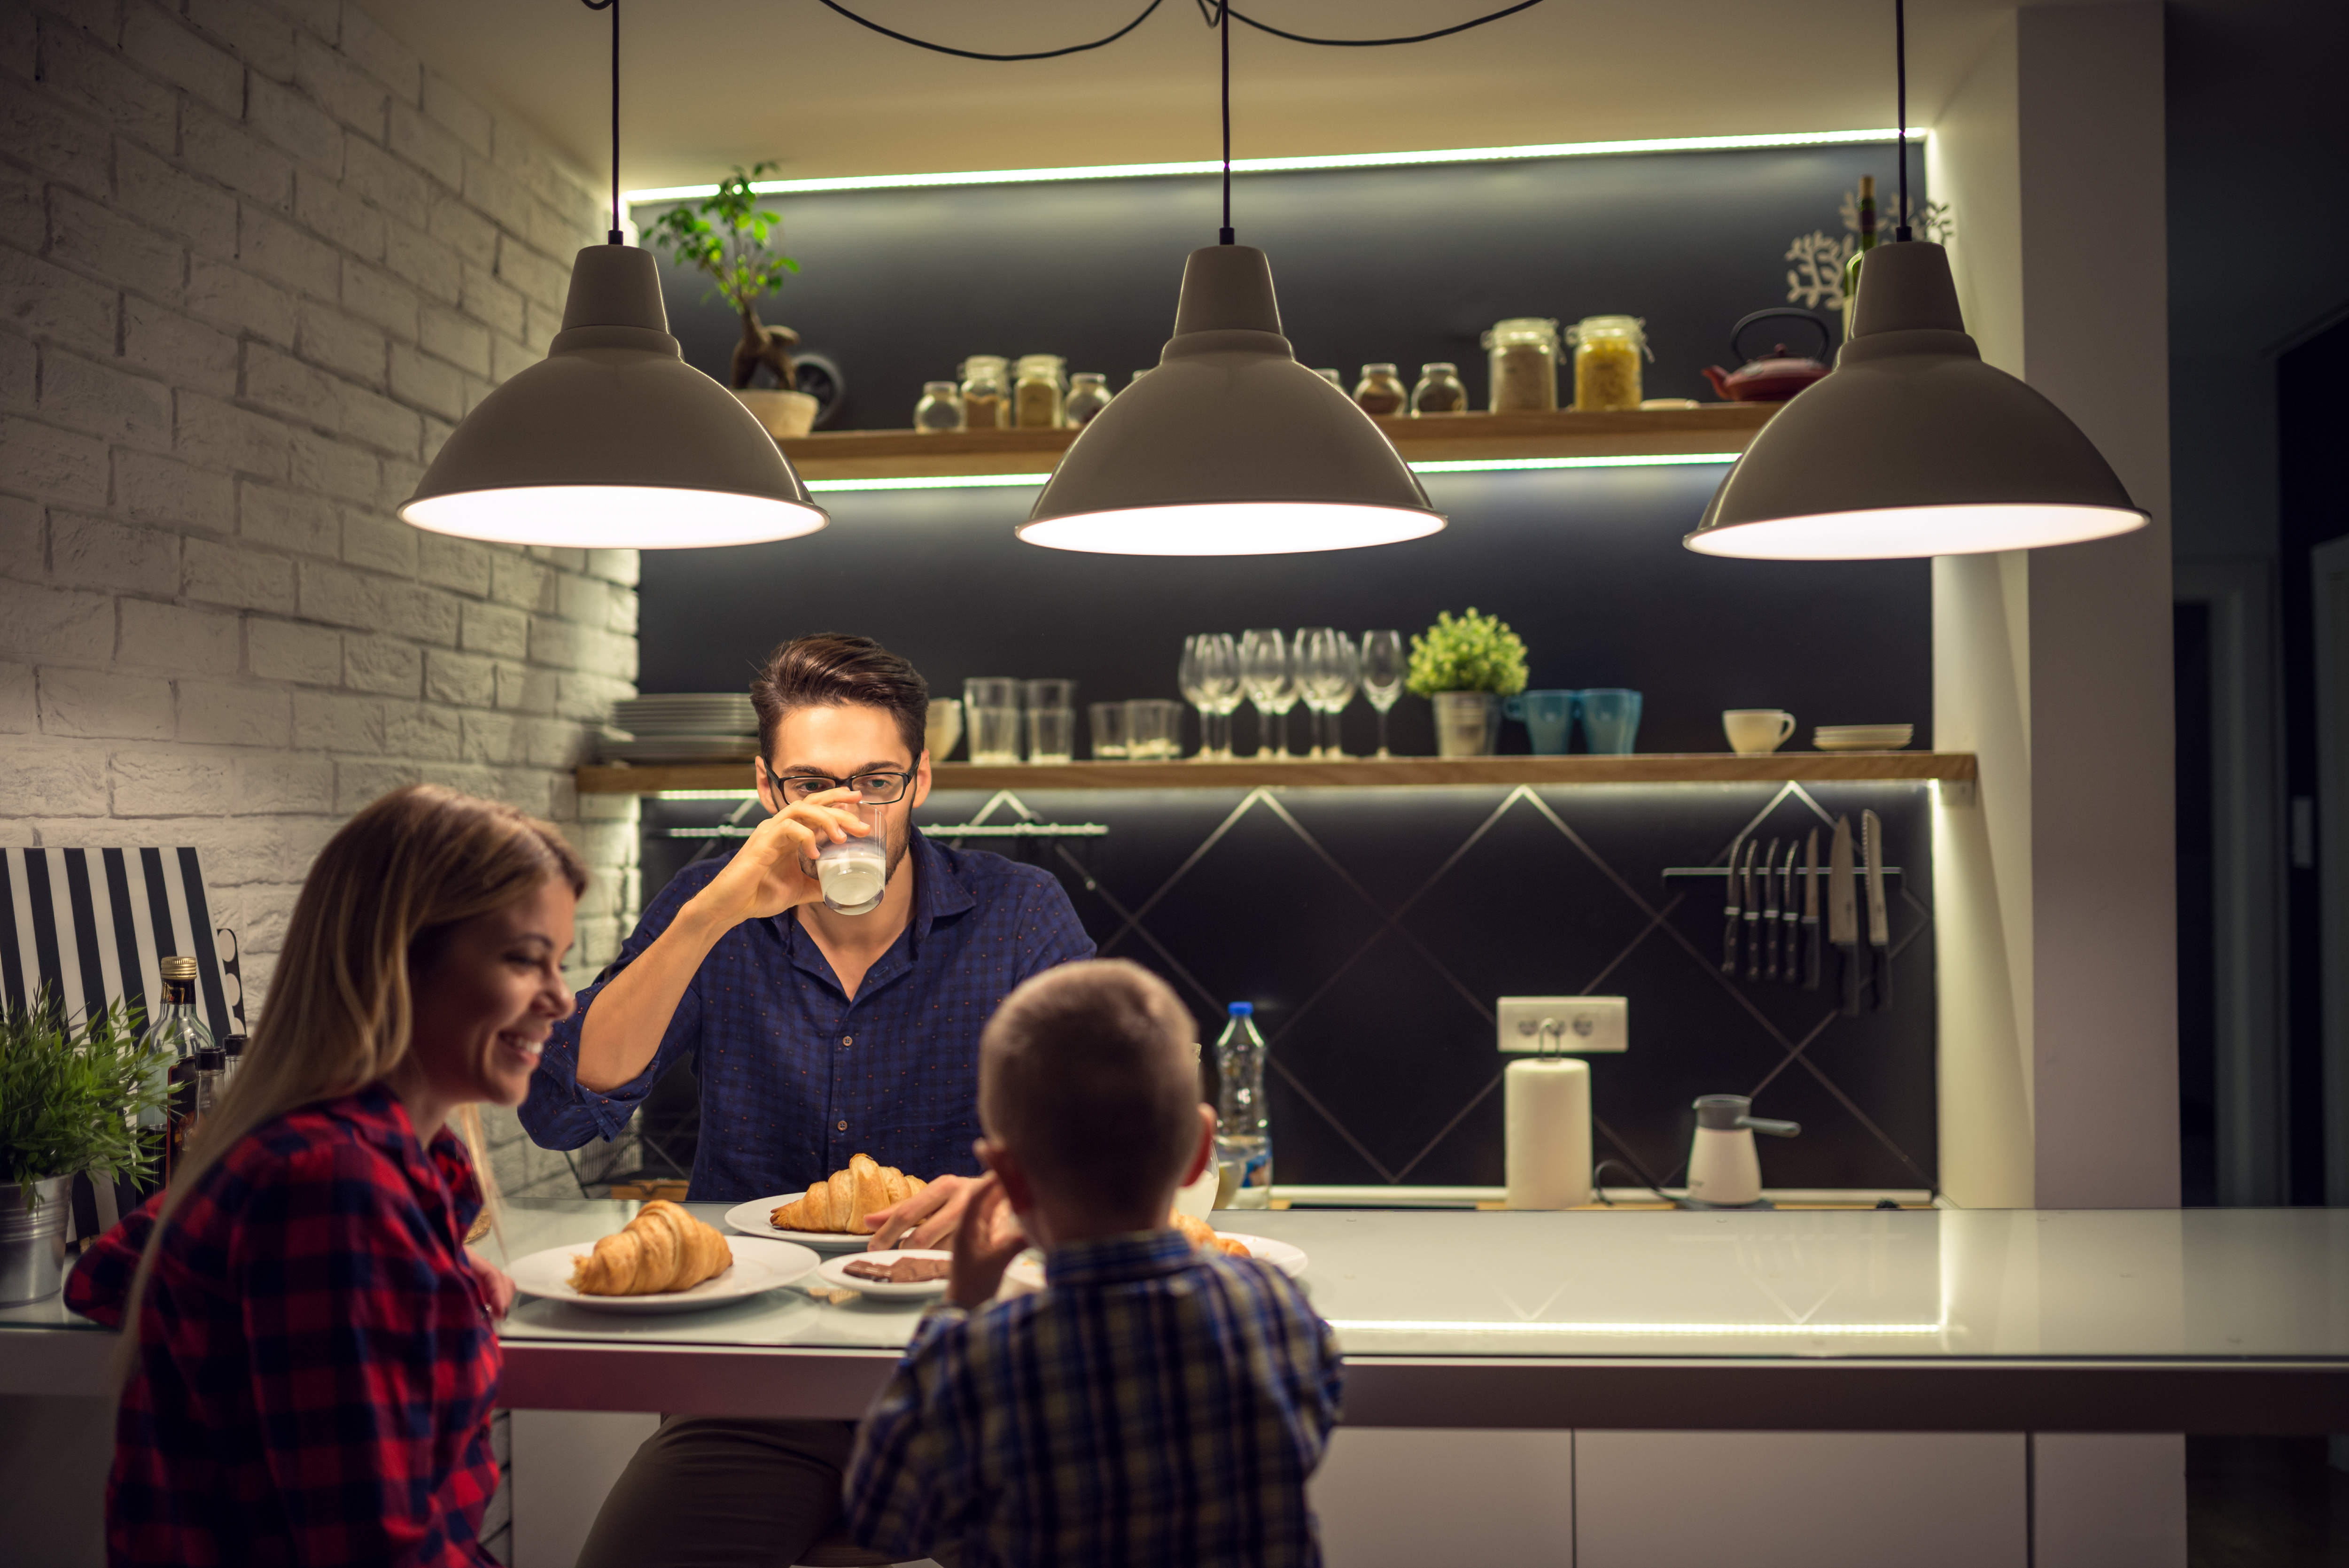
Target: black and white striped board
{"type": "Point", "coordinates": [92, 926]}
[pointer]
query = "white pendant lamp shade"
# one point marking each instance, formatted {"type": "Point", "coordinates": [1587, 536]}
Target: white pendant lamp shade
{"type": "Point", "coordinates": [1229, 447]}
{"type": "Point", "coordinates": [613, 440]}
{"type": "Point", "coordinates": [1912, 446]}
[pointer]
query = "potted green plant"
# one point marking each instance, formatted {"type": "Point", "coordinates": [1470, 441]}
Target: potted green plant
{"type": "Point", "coordinates": [72, 1098]}
{"type": "Point", "coordinates": [1465, 665]}
{"type": "Point", "coordinates": [729, 235]}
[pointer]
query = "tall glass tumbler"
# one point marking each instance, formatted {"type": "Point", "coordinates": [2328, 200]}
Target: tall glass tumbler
{"type": "Point", "coordinates": [1108, 730]}
{"type": "Point", "coordinates": [1051, 721]}
{"type": "Point", "coordinates": [1154, 728]}
{"type": "Point", "coordinates": [991, 717]}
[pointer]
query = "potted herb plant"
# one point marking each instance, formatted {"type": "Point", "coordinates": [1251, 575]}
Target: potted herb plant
{"type": "Point", "coordinates": [729, 235]}
{"type": "Point", "coordinates": [72, 1098]}
{"type": "Point", "coordinates": [1465, 665]}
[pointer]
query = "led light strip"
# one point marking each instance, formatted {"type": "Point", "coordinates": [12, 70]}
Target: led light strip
{"type": "Point", "coordinates": [1780, 1330]}
{"type": "Point", "coordinates": [1283, 165]}
{"type": "Point", "coordinates": [1460, 466]}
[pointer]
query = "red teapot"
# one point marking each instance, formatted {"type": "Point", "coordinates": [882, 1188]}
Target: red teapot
{"type": "Point", "coordinates": [1776, 379]}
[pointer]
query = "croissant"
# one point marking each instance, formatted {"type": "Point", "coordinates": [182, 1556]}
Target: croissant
{"type": "Point", "coordinates": [840, 1204]}
{"type": "Point", "coordinates": [663, 1249]}
{"type": "Point", "coordinates": [1200, 1236]}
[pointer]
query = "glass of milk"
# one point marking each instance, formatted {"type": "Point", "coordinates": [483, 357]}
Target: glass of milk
{"type": "Point", "coordinates": [854, 871]}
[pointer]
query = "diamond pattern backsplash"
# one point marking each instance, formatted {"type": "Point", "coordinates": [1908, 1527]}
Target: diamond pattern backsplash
{"type": "Point", "coordinates": [1375, 930]}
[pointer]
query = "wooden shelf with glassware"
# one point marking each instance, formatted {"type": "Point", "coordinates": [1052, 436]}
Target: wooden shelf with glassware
{"type": "Point", "coordinates": [1703, 429]}
{"type": "Point", "coordinates": [1638, 767]}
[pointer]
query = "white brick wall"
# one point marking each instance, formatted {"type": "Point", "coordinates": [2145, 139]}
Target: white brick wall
{"type": "Point", "coordinates": [255, 260]}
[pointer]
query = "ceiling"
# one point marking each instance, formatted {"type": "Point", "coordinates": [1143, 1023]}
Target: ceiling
{"type": "Point", "coordinates": [709, 83]}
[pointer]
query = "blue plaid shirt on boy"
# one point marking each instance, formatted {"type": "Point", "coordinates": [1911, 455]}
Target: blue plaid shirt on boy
{"type": "Point", "coordinates": [1153, 1406]}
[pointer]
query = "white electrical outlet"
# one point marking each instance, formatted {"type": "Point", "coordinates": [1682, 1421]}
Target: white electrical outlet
{"type": "Point", "coordinates": [1575, 1025]}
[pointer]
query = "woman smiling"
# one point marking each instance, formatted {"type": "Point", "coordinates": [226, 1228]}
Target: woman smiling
{"type": "Point", "coordinates": [310, 1362]}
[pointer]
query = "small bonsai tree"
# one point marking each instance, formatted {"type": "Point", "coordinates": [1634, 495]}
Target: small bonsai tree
{"type": "Point", "coordinates": [1474, 653]}
{"type": "Point", "coordinates": [727, 236]}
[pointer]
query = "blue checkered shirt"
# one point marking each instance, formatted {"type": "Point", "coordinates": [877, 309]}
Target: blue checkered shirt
{"type": "Point", "coordinates": [795, 1077]}
{"type": "Point", "coordinates": [1153, 1406]}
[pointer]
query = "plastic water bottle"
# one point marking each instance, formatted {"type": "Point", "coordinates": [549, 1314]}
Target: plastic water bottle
{"type": "Point", "coordinates": [1243, 1134]}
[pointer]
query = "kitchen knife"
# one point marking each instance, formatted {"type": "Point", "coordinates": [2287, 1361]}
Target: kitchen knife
{"type": "Point", "coordinates": [1770, 911]}
{"type": "Point", "coordinates": [1730, 912]}
{"type": "Point", "coordinates": [1880, 926]}
{"type": "Point", "coordinates": [1811, 914]}
{"type": "Point", "coordinates": [1790, 918]}
{"type": "Point", "coordinates": [1843, 913]}
{"type": "Point", "coordinates": [1753, 917]}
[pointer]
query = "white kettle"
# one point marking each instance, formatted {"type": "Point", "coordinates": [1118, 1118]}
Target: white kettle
{"type": "Point", "coordinates": [1724, 1173]}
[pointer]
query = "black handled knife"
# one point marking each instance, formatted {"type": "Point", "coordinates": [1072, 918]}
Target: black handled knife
{"type": "Point", "coordinates": [1879, 924]}
{"type": "Point", "coordinates": [1753, 917]}
{"type": "Point", "coordinates": [1843, 913]}
{"type": "Point", "coordinates": [1770, 911]}
{"type": "Point", "coordinates": [1790, 918]}
{"type": "Point", "coordinates": [1730, 912]}
{"type": "Point", "coordinates": [1811, 914]}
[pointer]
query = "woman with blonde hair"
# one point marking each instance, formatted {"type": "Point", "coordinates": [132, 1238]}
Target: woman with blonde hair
{"type": "Point", "coordinates": [310, 1355]}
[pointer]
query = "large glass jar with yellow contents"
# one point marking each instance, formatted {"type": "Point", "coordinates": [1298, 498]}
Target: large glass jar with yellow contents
{"type": "Point", "coordinates": [1606, 354]}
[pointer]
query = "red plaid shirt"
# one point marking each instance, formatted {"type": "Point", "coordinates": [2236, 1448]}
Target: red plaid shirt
{"type": "Point", "coordinates": [316, 1361]}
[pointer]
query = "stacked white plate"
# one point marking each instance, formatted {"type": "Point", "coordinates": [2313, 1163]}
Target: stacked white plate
{"type": "Point", "coordinates": [1862, 737]}
{"type": "Point", "coordinates": [683, 727]}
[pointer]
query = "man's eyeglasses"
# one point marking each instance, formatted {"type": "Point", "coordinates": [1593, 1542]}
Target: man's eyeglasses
{"type": "Point", "coordinates": [872, 789]}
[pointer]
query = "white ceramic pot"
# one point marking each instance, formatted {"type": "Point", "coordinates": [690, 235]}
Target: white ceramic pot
{"type": "Point", "coordinates": [33, 1240]}
{"type": "Point", "coordinates": [784, 414]}
{"type": "Point", "coordinates": [1466, 722]}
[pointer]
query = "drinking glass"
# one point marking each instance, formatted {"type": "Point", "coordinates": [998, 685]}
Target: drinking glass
{"type": "Point", "coordinates": [1310, 656]}
{"type": "Point", "coordinates": [1383, 669]}
{"type": "Point", "coordinates": [1108, 732]}
{"type": "Point", "coordinates": [1209, 676]}
{"type": "Point", "coordinates": [991, 711]}
{"type": "Point", "coordinates": [1269, 675]}
{"type": "Point", "coordinates": [855, 872]}
{"type": "Point", "coordinates": [1154, 728]}
{"type": "Point", "coordinates": [1340, 675]}
{"type": "Point", "coordinates": [1051, 720]}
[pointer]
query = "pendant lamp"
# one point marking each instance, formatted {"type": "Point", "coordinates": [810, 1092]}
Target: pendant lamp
{"type": "Point", "coordinates": [613, 440]}
{"type": "Point", "coordinates": [1912, 446]}
{"type": "Point", "coordinates": [1229, 447]}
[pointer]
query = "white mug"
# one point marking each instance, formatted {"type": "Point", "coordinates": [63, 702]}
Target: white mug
{"type": "Point", "coordinates": [1753, 731]}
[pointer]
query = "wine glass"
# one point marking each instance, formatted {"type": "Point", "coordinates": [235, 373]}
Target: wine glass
{"type": "Point", "coordinates": [1269, 677]}
{"type": "Point", "coordinates": [1311, 654]}
{"type": "Point", "coordinates": [1210, 677]}
{"type": "Point", "coordinates": [1382, 669]}
{"type": "Point", "coordinates": [1341, 673]}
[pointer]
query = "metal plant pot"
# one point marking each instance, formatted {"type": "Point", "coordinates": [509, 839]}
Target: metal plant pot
{"type": "Point", "coordinates": [1466, 723]}
{"type": "Point", "coordinates": [33, 1240]}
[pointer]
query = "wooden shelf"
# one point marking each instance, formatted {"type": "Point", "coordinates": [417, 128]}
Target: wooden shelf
{"type": "Point", "coordinates": [1646, 432]}
{"type": "Point", "coordinates": [1641, 767]}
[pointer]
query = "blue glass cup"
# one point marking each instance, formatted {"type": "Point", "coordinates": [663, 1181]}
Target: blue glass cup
{"type": "Point", "coordinates": [1549, 719]}
{"type": "Point", "coordinates": [1610, 720]}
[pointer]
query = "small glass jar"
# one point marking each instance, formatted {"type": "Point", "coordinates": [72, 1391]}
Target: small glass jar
{"type": "Point", "coordinates": [1089, 394]}
{"type": "Point", "coordinates": [940, 408]}
{"type": "Point", "coordinates": [986, 393]}
{"type": "Point", "coordinates": [1381, 390]}
{"type": "Point", "coordinates": [1439, 390]}
{"type": "Point", "coordinates": [1038, 387]}
{"type": "Point", "coordinates": [1521, 357]}
{"type": "Point", "coordinates": [1606, 354]}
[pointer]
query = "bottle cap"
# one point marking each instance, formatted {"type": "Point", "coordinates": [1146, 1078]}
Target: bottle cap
{"type": "Point", "coordinates": [235, 1046]}
{"type": "Point", "coordinates": [1243, 1009]}
{"type": "Point", "coordinates": [177, 968]}
{"type": "Point", "coordinates": [210, 1058]}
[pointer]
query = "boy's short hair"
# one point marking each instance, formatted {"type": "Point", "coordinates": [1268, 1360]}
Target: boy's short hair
{"type": "Point", "coordinates": [832, 669]}
{"type": "Point", "coordinates": [1090, 1073]}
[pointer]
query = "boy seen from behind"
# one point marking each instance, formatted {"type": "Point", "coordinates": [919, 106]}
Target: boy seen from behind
{"type": "Point", "coordinates": [1154, 1404]}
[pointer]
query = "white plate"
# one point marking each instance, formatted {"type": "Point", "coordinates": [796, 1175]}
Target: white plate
{"type": "Point", "coordinates": [1026, 1274]}
{"type": "Point", "coordinates": [1863, 737]}
{"type": "Point", "coordinates": [679, 748]}
{"type": "Point", "coordinates": [835, 1272]}
{"type": "Point", "coordinates": [751, 1220]}
{"type": "Point", "coordinates": [759, 1266]}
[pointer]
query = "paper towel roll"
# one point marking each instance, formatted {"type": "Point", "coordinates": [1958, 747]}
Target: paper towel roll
{"type": "Point", "coordinates": [1548, 1120]}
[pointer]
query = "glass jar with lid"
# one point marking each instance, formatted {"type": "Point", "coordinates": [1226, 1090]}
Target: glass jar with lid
{"type": "Point", "coordinates": [1439, 390]}
{"type": "Point", "coordinates": [1606, 354]}
{"type": "Point", "coordinates": [1521, 356]}
{"type": "Point", "coordinates": [1089, 394]}
{"type": "Point", "coordinates": [1381, 390]}
{"type": "Point", "coordinates": [986, 392]}
{"type": "Point", "coordinates": [940, 408]}
{"type": "Point", "coordinates": [1038, 385]}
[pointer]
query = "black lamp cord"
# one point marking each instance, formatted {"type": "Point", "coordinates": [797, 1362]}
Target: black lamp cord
{"type": "Point", "coordinates": [1224, 33]}
{"type": "Point", "coordinates": [614, 237]}
{"type": "Point", "coordinates": [1900, 233]}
